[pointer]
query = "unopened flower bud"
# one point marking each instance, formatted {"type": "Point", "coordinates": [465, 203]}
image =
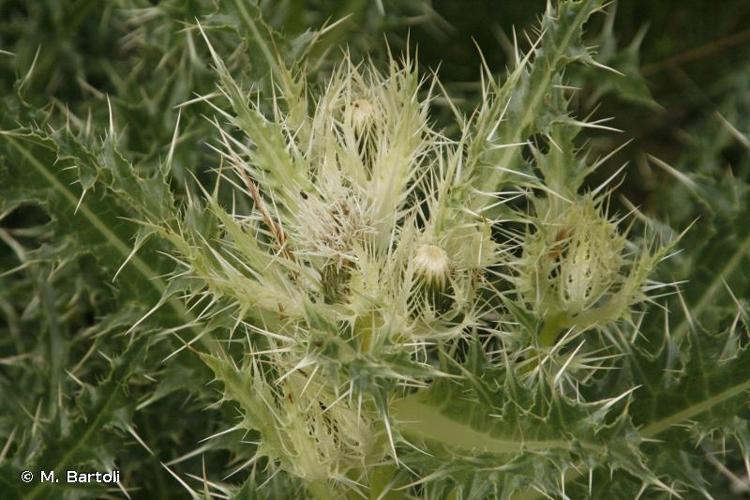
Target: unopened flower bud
{"type": "Point", "coordinates": [576, 264]}
{"type": "Point", "coordinates": [363, 112]}
{"type": "Point", "coordinates": [433, 267]}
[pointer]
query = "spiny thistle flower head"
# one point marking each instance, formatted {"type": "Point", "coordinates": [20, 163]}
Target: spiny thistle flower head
{"type": "Point", "coordinates": [433, 266]}
{"type": "Point", "coordinates": [576, 265]}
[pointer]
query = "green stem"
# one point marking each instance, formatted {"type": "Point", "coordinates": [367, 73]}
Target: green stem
{"type": "Point", "coordinates": [547, 338]}
{"type": "Point", "coordinates": [551, 329]}
{"type": "Point", "coordinates": [383, 482]}
{"type": "Point", "coordinates": [322, 490]}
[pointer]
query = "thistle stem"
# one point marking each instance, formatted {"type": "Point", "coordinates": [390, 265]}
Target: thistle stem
{"type": "Point", "coordinates": [551, 329]}
{"type": "Point", "coordinates": [321, 490]}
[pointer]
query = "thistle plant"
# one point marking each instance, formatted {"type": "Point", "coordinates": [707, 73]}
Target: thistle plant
{"type": "Point", "coordinates": [378, 305]}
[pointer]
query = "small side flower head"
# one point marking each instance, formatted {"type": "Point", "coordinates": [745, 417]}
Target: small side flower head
{"type": "Point", "coordinates": [363, 112]}
{"type": "Point", "coordinates": [432, 287]}
{"type": "Point", "coordinates": [433, 267]}
{"type": "Point", "coordinates": [575, 268]}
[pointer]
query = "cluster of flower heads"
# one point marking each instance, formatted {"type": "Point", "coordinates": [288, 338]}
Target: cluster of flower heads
{"type": "Point", "coordinates": [378, 246]}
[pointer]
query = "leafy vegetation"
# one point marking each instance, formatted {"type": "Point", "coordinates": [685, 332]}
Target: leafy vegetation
{"type": "Point", "coordinates": [251, 250]}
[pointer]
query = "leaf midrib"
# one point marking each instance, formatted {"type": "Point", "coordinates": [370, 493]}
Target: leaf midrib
{"type": "Point", "coordinates": [710, 291]}
{"type": "Point", "coordinates": [539, 92]}
{"type": "Point", "coordinates": [138, 263]}
{"type": "Point", "coordinates": [89, 430]}
{"type": "Point", "coordinates": [655, 428]}
{"type": "Point", "coordinates": [425, 421]}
